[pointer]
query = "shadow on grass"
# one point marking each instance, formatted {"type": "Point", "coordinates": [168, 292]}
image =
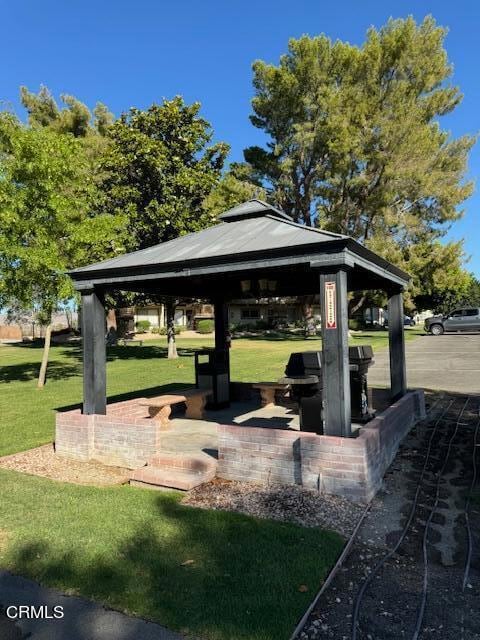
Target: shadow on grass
{"type": "Point", "coordinates": [210, 574]}
{"type": "Point", "coordinates": [283, 337]}
{"type": "Point", "coordinates": [29, 371]}
{"type": "Point", "coordinates": [60, 370]}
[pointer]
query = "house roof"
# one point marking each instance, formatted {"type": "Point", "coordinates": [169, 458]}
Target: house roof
{"type": "Point", "coordinates": [249, 234]}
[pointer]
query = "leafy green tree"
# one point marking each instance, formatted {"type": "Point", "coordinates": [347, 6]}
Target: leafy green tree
{"type": "Point", "coordinates": [473, 294]}
{"type": "Point", "coordinates": [46, 227]}
{"type": "Point", "coordinates": [355, 141]}
{"type": "Point", "coordinates": [229, 192]}
{"type": "Point", "coordinates": [158, 168]}
{"type": "Point", "coordinates": [74, 118]}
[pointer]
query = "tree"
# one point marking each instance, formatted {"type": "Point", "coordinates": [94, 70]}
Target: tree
{"type": "Point", "coordinates": [355, 142]}
{"type": "Point", "coordinates": [46, 227]}
{"type": "Point", "coordinates": [229, 192]}
{"type": "Point", "coordinates": [158, 169]}
{"type": "Point", "coordinates": [75, 117]}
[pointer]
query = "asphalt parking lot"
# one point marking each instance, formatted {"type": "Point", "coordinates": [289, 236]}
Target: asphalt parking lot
{"type": "Point", "coordinates": [450, 362]}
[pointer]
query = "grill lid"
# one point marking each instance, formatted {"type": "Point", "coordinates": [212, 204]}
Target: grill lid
{"type": "Point", "coordinates": [304, 363]}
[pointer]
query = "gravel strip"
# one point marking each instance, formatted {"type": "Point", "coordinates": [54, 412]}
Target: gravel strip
{"type": "Point", "coordinates": [288, 503]}
{"type": "Point", "coordinates": [43, 461]}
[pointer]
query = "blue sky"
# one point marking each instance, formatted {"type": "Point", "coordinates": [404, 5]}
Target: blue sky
{"type": "Point", "coordinates": [134, 53]}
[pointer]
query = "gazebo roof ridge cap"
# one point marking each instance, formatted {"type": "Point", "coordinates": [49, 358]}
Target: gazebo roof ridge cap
{"type": "Point", "coordinates": [305, 227]}
{"type": "Point", "coordinates": [253, 208]}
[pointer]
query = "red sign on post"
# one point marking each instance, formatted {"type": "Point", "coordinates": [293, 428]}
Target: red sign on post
{"type": "Point", "coordinates": [331, 305]}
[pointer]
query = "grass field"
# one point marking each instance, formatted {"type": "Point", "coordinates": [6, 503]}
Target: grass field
{"type": "Point", "coordinates": [209, 574]}
{"type": "Point", "coordinates": [126, 547]}
{"type": "Point", "coordinates": [27, 413]}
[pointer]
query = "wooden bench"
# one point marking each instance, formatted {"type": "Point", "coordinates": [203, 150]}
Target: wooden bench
{"type": "Point", "coordinates": [126, 341]}
{"type": "Point", "coordinates": [160, 408]}
{"type": "Point", "coordinates": [267, 392]}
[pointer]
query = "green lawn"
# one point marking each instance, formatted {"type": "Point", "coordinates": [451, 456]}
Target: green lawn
{"type": "Point", "coordinates": [126, 546]}
{"type": "Point", "coordinates": [27, 413]}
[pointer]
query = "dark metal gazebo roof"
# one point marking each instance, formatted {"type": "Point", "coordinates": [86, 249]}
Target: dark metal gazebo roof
{"type": "Point", "coordinates": [252, 236]}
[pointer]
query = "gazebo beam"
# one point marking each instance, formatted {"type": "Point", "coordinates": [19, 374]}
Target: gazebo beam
{"type": "Point", "coordinates": [222, 346]}
{"type": "Point", "coordinates": [94, 353]}
{"type": "Point", "coordinates": [335, 367]}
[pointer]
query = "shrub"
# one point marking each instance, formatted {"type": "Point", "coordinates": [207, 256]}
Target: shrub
{"type": "Point", "coordinates": [155, 330]}
{"type": "Point", "coordinates": [205, 326]}
{"type": "Point", "coordinates": [261, 324]}
{"type": "Point", "coordinates": [354, 324]}
{"type": "Point", "coordinates": [143, 325]}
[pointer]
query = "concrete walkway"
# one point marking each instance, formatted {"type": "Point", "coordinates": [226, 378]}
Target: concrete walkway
{"type": "Point", "coordinates": [83, 619]}
{"type": "Point", "coordinates": [446, 363]}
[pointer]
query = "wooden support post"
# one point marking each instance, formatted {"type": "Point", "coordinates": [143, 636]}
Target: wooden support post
{"type": "Point", "coordinates": [94, 353]}
{"type": "Point", "coordinates": [396, 338]}
{"type": "Point", "coordinates": [336, 373]}
{"type": "Point", "coordinates": [221, 335]}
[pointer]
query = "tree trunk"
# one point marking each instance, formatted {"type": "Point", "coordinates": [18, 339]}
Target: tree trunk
{"type": "Point", "coordinates": [111, 319]}
{"type": "Point", "coordinates": [172, 347]}
{"type": "Point", "coordinates": [357, 303]}
{"type": "Point", "coordinates": [307, 310]}
{"type": "Point", "coordinates": [46, 349]}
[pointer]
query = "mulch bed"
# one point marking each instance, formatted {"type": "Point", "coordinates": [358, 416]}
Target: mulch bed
{"type": "Point", "coordinates": [43, 461]}
{"type": "Point", "coordinates": [288, 503]}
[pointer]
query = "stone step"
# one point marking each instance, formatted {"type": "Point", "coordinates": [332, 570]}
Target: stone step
{"type": "Point", "coordinates": [174, 478]}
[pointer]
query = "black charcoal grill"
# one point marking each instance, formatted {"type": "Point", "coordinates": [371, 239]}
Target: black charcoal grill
{"type": "Point", "coordinates": [304, 375]}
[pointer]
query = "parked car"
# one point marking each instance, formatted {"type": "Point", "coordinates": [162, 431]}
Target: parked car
{"type": "Point", "coordinates": [466, 319]}
{"type": "Point", "coordinates": [407, 321]}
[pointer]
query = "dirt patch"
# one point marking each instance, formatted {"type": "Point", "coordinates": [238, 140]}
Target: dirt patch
{"type": "Point", "coordinates": [287, 503]}
{"type": "Point", "coordinates": [43, 461]}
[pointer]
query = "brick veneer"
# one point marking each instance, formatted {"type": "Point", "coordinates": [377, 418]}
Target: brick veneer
{"type": "Point", "coordinates": [125, 437]}
{"type": "Point", "coordinates": [351, 467]}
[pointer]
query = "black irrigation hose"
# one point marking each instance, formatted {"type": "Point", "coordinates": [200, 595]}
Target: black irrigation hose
{"type": "Point", "coordinates": [344, 553]}
{"type": "Point", "coordinates": [467, 508]}
{"type": "Point", "coordinates": [379, 565]}
{"type": "Point", "coordinates": [423, 602]}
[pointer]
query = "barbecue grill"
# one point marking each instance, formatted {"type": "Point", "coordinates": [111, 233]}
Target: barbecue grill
{"type": "Point", "coordinates": [304, 375]}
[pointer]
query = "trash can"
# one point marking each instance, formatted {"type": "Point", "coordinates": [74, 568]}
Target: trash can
{"type": "Point", "coordinates": [304, 375]}
{"type": "Point", "coordinates": [212, 372]}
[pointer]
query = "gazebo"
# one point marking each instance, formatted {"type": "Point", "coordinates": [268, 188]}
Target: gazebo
{"type": "Point", "coordinates": [253, 243]}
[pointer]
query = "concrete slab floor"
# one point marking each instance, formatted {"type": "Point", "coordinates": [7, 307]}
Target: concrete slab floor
{"type": "Point", "coordinates": [192, 436]}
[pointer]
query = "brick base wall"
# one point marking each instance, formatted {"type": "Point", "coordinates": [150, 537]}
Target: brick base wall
{"type": "Point", "coordinates": [123, 437]}
{"type": "Point", "coordinates": [350, 467]}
